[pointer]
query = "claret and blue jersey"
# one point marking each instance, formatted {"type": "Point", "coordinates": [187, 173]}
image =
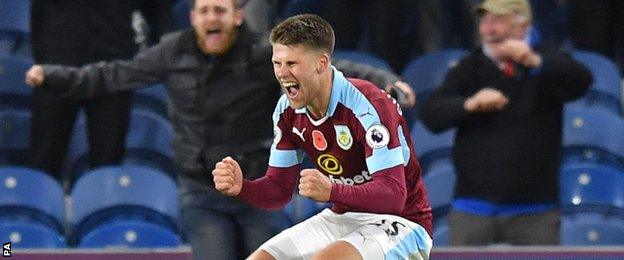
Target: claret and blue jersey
{"type": "Point", "coordinates": [362, 133]}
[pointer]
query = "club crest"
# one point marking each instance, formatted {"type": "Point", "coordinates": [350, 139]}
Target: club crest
{"type": "Point", "coordinates": [343, 137]}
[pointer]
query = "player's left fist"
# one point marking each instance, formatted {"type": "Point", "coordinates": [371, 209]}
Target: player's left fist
{"type": "Point", "coordinates": [314, 185]}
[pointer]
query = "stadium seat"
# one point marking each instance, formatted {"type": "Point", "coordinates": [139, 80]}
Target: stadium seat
{"type": "Point", "coordinates": [32, 208]}
{"type": "Point", "coordinates": [362, 57]}
{"type": "Point", "coordinates": [591, 229]}
{"type": "Point", "coordinates": [431, 148]}
{"type": "Point", "coordinates": [426, 72]}
{"type": "Point", "coordinates": [295, 7]}
{"type": "Point", "coordinates": [153, 98]}
{"type": "Point", "coordinates": [588, 186]}
{"type": "Point", "coordinates": [301, 208]}
{"type": "Point", "coordinates": [14, 136]}
{"type": "Point", "coordinates": [138, 204]}
{"type": "Point", "coordinates": [147, 143]}
{"type": "Point", "coordinates": [606, 90]}
{"type": "Point", "coordinates": [440, 183]}
{"type": "Point", "coordinates": [14, 93]}
{"type": "Point", "coordinates": [14, 24]}
{"type": "Point", "coordinates": [441, 231]}
{"type": "Point", "coordinates": [181, 15]}
{"type": "Point", "coordinates": [593, 135]}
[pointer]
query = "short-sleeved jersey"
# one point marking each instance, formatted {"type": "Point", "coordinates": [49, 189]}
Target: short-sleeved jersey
{"type": "Point", "coordinates": [363, 133]}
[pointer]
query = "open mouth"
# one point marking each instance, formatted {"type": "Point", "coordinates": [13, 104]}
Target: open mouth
{"type": "Point", "coordinates": [292, 89]}
{"type": "Point", "coordinates": [212, 34]}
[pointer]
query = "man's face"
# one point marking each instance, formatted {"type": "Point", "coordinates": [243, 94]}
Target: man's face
{"type": "Point", "coordinates": [495, 29]}
{"type": "Point", "coordinates": [215, 23]}
{"type": "Point", "coordinates": [298, 70]}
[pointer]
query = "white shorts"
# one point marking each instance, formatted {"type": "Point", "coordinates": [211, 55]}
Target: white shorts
{"type": "Point", "coordinates": [375, 236]}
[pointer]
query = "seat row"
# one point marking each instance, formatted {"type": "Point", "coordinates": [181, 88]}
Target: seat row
{"type": "Point", "coordinates": [123, 206]}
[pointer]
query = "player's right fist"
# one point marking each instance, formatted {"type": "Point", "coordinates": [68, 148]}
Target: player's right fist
{"type": "Point", "coordinates": [34, 76]}
{"type": "Point", "coordinates": [228, 177]}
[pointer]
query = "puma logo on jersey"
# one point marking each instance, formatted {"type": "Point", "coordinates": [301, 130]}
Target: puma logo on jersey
{"type": "Point", "coordinates": [299, 133]}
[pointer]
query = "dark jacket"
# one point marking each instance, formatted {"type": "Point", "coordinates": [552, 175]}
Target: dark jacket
{"type": "Point", "coordinates": [216, 108]}
{"type": "Point", "coordinates": [510, 156]}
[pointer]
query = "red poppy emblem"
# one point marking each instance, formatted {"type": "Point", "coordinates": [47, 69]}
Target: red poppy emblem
{"type": "Point", "coordinates": [318, 139]}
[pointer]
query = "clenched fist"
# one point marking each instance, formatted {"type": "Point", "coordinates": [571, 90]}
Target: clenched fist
{"type": "Point", "coordinates": [228, 177]}
{"type": "Point", "coordinates": [314, 185]}
{"type": "Point", "coordinates": [34, 76]}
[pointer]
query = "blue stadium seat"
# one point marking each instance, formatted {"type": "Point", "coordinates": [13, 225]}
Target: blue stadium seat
{"type": "Point", "coordinates": [295, 7]}
{"type": "Point", "coordinates": [362, 57]}
{"type": "Point", "coordinates": [587, 186]}
{"type": "Point", "coordinates": [181, 18]}
{"type": "Point", "coordinates": [138, 202]}
{"type": "Point", "coordinates": [593, 135]}
{"type": "Point", "coordinates": [14, 24]}
{"type": "Point", "coordinates": [32, 208]}
{"type": "Point", "coordinates": [13, 90]}
{"type": "Point", "coordinates": [591, 229]}
{"type": "Point", "coordinates": [441, 231]}
{"type": "Point", "coordinates": [147, 143]}
{"type": "Point", "coordinates": [426, 72]}
{"type": "Point", "coordinates": [606, 90]}
{"type": "Point", "coordinates": [14, 136]}
{"type": "Point", "coordinates": [431, 148]}
{"type": "Point", "coordinates": [153, 98]}
{"type": "Point", "coordinates": [440, 183]}
{"type": "Point", "coordinates": [301, 208]}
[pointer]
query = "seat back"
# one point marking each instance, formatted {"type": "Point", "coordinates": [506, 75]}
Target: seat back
{"type": "Point", "coordinates": [13, 89]}
{"type": "Point", "coordinates": [426, 72]}
{"type": "Point", "coordinates": [28, 234]}
{"type": "Point", "coordinates": [153, 98]}
{"type": "Point", "coordinates": [14, 136]}
{"type": "Point", "coordinates": [14, 24]}
{"type": "Point", "coordinates": [33, 193]}
{"type": "Point", "coordinates": [301, 208]}
{"type": "Point", "coordinates": [440, 182]}
{"type": "Point", "coordinates": [127, 191]}
{"type": "Point", "coordinates": [431, 147]}
{"type": "Point", "coordinates": [130, 234]}
{"type": "Point", "coordinates": [607, 81]}
{"type": "Point", "coordinates": [362, 57]}
{"type": "Point", "coordinates": [587, 185]}
{"type": "Point", "coordinates": [589, 133]}
{"type": "Point", "coordinates": [147, 143]}
{"type": "Point", "coordinates": [591, 229]}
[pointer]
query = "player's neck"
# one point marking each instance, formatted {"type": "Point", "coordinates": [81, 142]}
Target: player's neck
{"type": "Point", "coordinates": [319, 107]}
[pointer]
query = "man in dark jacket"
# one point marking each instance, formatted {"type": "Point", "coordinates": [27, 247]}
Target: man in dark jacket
{"type": "Point", "coordinates": [221, 91]}
{"type": "Point", "coordinates": [506, 101]}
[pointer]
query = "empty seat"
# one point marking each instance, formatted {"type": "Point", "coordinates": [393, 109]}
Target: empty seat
{"type": "Point", "coordinates": [14, 24]}
{"type": "Point", "coordinates": [147, 143]}
{"type": "Point", "coordinates": [593, 135]}
{"type": "Point", "coordinates": [606, 90]}
{"type": "Point", "coordinates": [125, 206]}
{"type": "Point", "coordinates": [363, 58]}
{"type": "Point", "coordinates": [32, 208]}
{"type": "Point", "coordinates": [591, 229]}
{"type": "Point", "coordinates": [431, 148]}
{"type": "Point", "coordinates": [14, 93]}
{"type": "Point", "coordinates": [587, 186]}
{"type": "Point", "coordinates": [153, 98]}
{"type": "Point", "coordinates": [426, 72]}
{"type": "Point", "coordinates": [440, 183]}
{"type": "Point", "coordinates": [14, 136]}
